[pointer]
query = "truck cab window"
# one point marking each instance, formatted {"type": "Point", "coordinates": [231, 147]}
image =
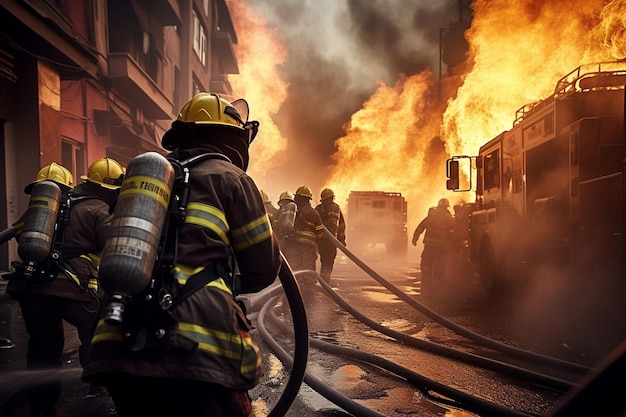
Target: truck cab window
{"type": "Point", "coordinates": [492, 170]}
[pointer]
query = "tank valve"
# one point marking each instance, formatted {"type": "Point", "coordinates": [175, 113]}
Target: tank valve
{"type": "Point", "coordinates": [115, 310]}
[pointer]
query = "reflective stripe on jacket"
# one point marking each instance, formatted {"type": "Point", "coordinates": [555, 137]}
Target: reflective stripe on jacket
{"type": "Point", "coordinates": [308, 225]}
{"type": "Point", "coordinates": [333, 220]}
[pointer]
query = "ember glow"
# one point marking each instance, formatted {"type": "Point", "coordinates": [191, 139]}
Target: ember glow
{"type": "Point", "coordinates": [402, 134]}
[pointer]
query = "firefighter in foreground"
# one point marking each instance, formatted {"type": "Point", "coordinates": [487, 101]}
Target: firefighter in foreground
{"type": "Point", "coordinates": [333, 220]}
{"type": "Point", "coordinates": [439, 227]}
{"type": "Point", "coordinates": [208, 362]}
{"type": "Point", "coordinates": [64, 288]}
{"type": "Point", "coordinates": [309, 230]}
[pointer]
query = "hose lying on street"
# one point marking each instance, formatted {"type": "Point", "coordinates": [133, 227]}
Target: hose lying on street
{"type": "Point", "coordinates": [425, 385]}
{"type": "Point", "coordinates": [301, 341]}
{"type": "Point", "coordinates": [332, 395]}
{"type": "Point", "coordinates": [487, 363]}
{"type": "Point", "coordinates": [485, 341]}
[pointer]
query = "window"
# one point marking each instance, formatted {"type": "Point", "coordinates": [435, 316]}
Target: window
{"type": "Point", "coordinates": [199, 39]}
{"type": "Point", "coordinates": [73, 157]}
{"type": "Point", "coordinates": [492, 170]}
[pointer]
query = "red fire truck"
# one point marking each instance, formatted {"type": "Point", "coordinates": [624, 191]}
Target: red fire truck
{"type": "Point", "coordinates": [551, 190]}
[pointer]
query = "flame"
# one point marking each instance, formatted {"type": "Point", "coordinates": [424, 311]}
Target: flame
{"type": "Point", "coordinates": [259, 51]}
{"type": "Point", "coordinates": [519, 50]}
{"type": "Point", "coordinates": [391, 141]}
{"type": "Point", "coordinates": [398, 141]}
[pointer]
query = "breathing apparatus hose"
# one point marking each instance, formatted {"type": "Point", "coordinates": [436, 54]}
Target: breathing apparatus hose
{"type": "Point", "coordinates": [7, 234]}
{"type": "Point", "coordinates": [301, 340]}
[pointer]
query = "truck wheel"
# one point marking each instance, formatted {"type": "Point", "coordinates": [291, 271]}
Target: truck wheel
{"type": "Point", "coordinates": [487, 269]}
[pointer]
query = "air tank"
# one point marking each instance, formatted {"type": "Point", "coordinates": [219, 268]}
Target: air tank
{"type": "Point", "coordinates": [129, 253]}
{"type": "Point", "coordinates": [286, 219]}
{"type": "Point", "coordinates": [36, 238]}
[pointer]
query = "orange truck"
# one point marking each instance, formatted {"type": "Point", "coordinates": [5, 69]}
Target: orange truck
{"type": "Point", "coordinates": [551, 190]}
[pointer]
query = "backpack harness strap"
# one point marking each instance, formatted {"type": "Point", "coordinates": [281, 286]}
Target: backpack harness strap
{"type": "Point", "coordinates": [168, 252]}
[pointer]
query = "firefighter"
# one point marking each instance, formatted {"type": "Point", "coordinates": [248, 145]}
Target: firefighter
{"type": "Point", "coordinates": [284, 222]}
{"type": "Point", "coordinates": [439, 227]}
{"type": "Point", "coordinates": [210, 362]}
{"type": "Point", "coordinates": [309, 231]}
{"type": "Point", "coordinates": [333, 220]}
{"type": "Point", "coordinates": [71, 293]}
{"type": "Point", "coordinates": [269, 207]}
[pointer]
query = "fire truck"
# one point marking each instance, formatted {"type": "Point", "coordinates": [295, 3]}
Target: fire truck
{"type": "Point", "coordinates": [551, 190]}
{"type": "Point", "coordinates": [377, 217]}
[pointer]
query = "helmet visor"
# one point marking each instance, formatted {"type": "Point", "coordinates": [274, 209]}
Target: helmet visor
{"type": "Point", "coordinates": [240, 111]}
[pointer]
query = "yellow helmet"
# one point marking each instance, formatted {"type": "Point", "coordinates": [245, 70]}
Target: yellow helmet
{"type": "Point", "coordinates": [285, 195]}
{"type": "Point", "coordinates": [107, 172]}
{"type": "Point", "coordinates": [55, 172]}
{"type": "Point", "coordinates": [304, 191]}
{"type": "Point", "coordinates": [265, 197]}
{"type": "Point", "coordinates": [227, 121]}
{"type": "Point", "coordinates": [327, 193]}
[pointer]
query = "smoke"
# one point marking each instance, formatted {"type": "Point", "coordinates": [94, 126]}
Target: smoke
{"type": "Point", "coordinates": [338, 52]}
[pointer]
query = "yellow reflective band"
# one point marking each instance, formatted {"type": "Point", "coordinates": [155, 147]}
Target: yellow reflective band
{"type": "Point", "coordinates": [18, 228]}
{"type": "Point", "coordinates": [67, 274]}
{"type": "Point", "coordinates": [91, 257]}
{"type": "Point", "coordinates": [221, 343]}
{"type": "Point", "coordinates": [209, 217]}
{"type": "Point", "coordinates": [183, 272]}
{"type": "Point", "coordinates": [307, 234]}
{"type": "Point", "coordinates": [252, 356]}
{"type": "Point", "coordinates": [41, 201]}
{"type": "Point", "coordinates": [107, 333]}
{"type": "Point", "coordinates": [252, 233]}
{"type": "Point", "coordinates": [147, 186]}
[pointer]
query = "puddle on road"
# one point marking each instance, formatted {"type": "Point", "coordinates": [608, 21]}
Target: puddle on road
{"type": "Point", "coordinates": [345, 378]}
{"type": "Point", "coordinates": [382, 295]}
{"type": "Point", "coordinates": [399, 325]}
{"type": "Point", "coordinates": [348, 376]}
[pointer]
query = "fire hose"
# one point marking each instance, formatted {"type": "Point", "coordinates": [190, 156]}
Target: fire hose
{"type": "Point", "coordinates": [452, 326]}
{"type": "Point", "coordinates": [425, 385]}
{"type": "Point", "coordinates": [301, 340]}
{"type": "Point", "coordinates": [602, 384]}
{"type": "Point", "coordinates": [546, 380]}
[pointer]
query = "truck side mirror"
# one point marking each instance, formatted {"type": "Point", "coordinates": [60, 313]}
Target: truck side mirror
{"type": "Point", "coordinates": [452, 172]}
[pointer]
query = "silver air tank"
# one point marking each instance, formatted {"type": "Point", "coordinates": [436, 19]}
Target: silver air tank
{"type": "Point", "coordinates": [129, 253]}
{"type": "Point", "coordinates": [35, 240]}
{"type": "Point", "coordinates": [286, 219]}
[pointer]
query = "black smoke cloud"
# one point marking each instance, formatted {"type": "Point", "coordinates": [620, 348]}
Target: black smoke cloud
{"type": "Point", "coordinates": [337, 51]}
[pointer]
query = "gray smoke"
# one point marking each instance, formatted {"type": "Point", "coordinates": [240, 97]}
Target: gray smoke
{"type": "Point", "coordinates": [336, 53]}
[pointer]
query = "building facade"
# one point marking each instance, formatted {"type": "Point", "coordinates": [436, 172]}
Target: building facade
{"type": "Point", "coordinates": [81, 80]}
